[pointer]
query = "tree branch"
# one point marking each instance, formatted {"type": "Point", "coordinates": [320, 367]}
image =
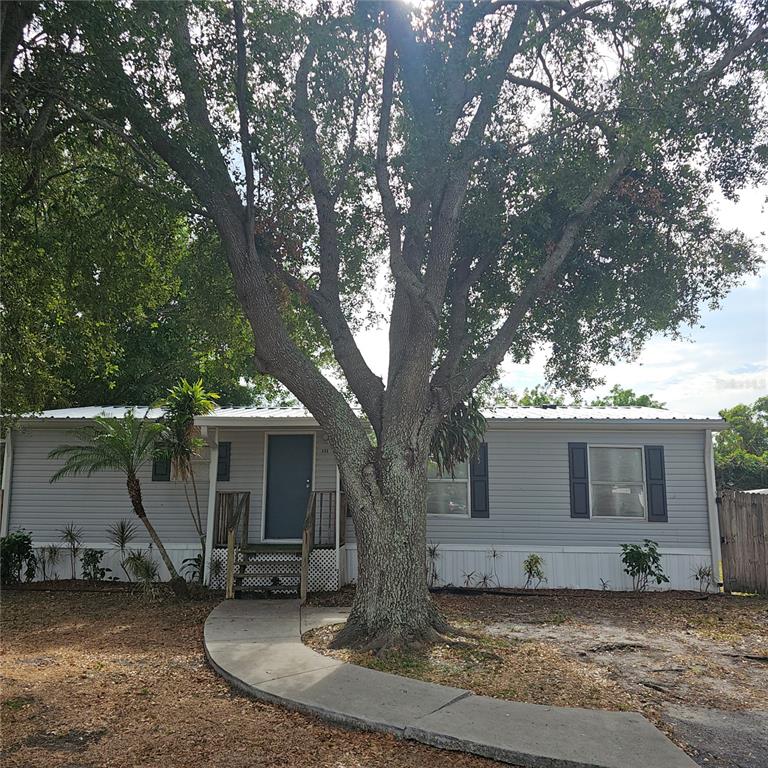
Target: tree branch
{"type": "Point", "coordinates": [462, 384]}
{"type": "Point", "coordinates": [367, 387]}
{"type": "Point", "coordinates": [587, 116]}
{"type": "Point", "coordinates": [241, 88]}
{"type": "Point", "coordinates": [459, 386]}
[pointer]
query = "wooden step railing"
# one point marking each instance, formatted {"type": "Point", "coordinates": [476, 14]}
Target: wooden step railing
{"type": "Point", "coordinates": [232, 511]}
{"type": "Point", "coordinates": [319, 531]}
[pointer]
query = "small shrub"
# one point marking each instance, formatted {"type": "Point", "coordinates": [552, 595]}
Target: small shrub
{"type": "Point", "coordinates": [493, 555]}
{"type": "Point", "coordinates": [48, 557]}
{"type": "Point", "coordinates": [72, 536]}
{"type": "Point", "coordinates": [91, 562]}
{"type": "Point", "coordinates": [193, 567]}
{"type": "Point", "coordinates": [468, 578]}
{"type": "Point", "coordinates": [643, 563]}
{"type": "Point", "coordinates": [144, 571]}
{"type": "Point", "coordinates": [17, 557]}
{"type": "Point", "coordinates": [433, 555]}
{"type": "Point", "coordinates": [703, 574]}
{"type": "Point", "coordinates": [120, 535]}
{"type": "Point", "coordinates": [605, 585]}
{"type": "Point", "coordinates": [533, 567]}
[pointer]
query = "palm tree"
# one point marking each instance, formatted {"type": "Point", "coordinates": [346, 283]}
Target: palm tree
{"type": "Point", "coordinates": [181, 439]}
{"type": "Point", "coordinates": [123, 445]}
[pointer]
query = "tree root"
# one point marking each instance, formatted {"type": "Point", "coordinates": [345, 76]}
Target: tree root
{"type": "Point", "coordinates": [358, 635]}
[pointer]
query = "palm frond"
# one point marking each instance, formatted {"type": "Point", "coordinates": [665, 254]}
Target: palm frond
{"type": "Point", "coordinates": [122, 445]}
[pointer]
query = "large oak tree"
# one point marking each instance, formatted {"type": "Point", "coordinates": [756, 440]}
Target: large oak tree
{"type": "Point", "coordinates": [527, 173]}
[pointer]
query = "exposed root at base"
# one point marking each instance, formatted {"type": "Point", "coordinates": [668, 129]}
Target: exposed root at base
{"type": "Point", "coordinates": [356, 634]}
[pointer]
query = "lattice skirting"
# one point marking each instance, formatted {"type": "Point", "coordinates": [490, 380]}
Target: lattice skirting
{"type": "Point", "coordinates": [323, 571]}
{"type": "Point", "coordinates": [218, 575]}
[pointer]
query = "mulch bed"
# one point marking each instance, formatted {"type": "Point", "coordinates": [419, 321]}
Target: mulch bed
{"type": "Point", "coordinates": [94, 680]}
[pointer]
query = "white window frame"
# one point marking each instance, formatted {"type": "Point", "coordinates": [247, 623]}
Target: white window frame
{"type": "Point", "coordinates": [641, 448]}
{"type": "Point", "coordinates": [454, 480]}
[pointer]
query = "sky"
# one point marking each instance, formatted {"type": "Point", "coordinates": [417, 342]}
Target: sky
{"type": "Point", "coordinates": [720, 362]}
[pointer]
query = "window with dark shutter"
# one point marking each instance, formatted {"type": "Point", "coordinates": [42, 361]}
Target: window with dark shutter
{"type": "Point", "coordinates": [478, 483]}
{"type": "Point", "coordinates": [161, 469]}
{"type": "Point", "coordinates": [578, 475]}
{"type": "Point", "coordinates": [225, 456]}
{"type": "Point", "coordinates": [656, 484]}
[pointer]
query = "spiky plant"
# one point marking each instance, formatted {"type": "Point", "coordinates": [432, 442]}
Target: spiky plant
{"type": "Point", "coordinates": [122, 445]}
{"type": "Point", "coordinates": [144, 570]}
{"type": "Point", "coordinates": [72, 536]}
{"type": "Point", "coordinates": [181, 441]}
{"type": "Point", "coordinates": [120, 535]}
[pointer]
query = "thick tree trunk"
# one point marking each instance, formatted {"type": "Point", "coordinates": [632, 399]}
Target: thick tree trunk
{"type": "Point", "coordinates": [392, 605]}
{"type": "Point", "coordinates": [134, 491]}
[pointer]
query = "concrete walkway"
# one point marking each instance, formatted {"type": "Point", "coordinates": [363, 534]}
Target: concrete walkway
{"type": "Point", "coordinates": [256, 645]}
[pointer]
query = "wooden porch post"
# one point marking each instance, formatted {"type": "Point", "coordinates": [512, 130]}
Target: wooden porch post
{"type": "Point", "coordinates": [212, 435]}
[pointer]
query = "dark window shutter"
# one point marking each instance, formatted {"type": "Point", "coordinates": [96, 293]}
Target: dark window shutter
{"type": "Point", "coordinates": [656, 484]}
{"type": "Point", "coordinates": [578, 475]}
{"type": "Point", "coordinates": [225, 456]}
{"type": "Point", "coordinates": [161, 468]}
{"type": "Point", "coordinates": [478, 482]}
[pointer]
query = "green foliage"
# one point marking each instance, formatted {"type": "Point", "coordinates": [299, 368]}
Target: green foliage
{"type": "Point", "coordinates": [91, 562]}
{"type": "Point", "coordinates": [109, 294]}
{"type": "Point", "coordinates": [194, 567]}
{"type": "Point", "coordinates": [145, 572]}
{"type": "Point", "coordinates": [72, 536]}
{"type": "Point", "coordinates": [181, 440]}
{"type": "Point", "coordinates": [643, 563]}
{"type": "Point", "coordinates": [123, 445]}
{"type": "Point", "coordinates": [533, 568]}
{"type": "Point", "coordinates": [433, 569]}
{"type": "Point", "coordinates": [120, 535]}
{"type": "Point", "coordinates": [17, 558]}
{"type": "Point", "coordinates": [703, 575]}
{"type": "Point", "coordinates": [458, 436]}
{"type": "Point", "coordinates": [538, 396]}
{"type": "Point", "coordinates": [741, 450]}
{"type": "Point", "coordinates": [624, 396]}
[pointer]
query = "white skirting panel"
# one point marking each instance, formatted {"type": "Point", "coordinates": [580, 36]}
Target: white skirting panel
{"type": "Point", "coordinates": [564, 567]}
{"type": "Point", "coordinates": [62, 570]}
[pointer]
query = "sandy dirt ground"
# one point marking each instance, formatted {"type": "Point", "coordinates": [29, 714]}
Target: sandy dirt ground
{"type": "Point", "coordinates": [696, 666]}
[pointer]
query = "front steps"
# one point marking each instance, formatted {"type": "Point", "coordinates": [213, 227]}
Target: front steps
{"type": "Point", "coordinates": [268, 569]}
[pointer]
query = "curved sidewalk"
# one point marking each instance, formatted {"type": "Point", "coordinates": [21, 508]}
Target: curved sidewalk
{"type": "Point", "coordinates": [256, 645]}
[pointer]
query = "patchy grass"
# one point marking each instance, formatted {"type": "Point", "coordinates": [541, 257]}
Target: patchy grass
{"type": "Point", "coordinates": [102, 680]}
{"type": "Point", "coordinates": [517, 670]}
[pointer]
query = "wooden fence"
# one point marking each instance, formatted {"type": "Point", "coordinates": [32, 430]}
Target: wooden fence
{"type": "Point", "coordinates": [743, 530]}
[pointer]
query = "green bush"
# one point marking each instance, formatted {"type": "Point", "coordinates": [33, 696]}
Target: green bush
{"type": "Point", "coordinates": [91, 562]}
{"type": "Point", "coordinates": [533, 567]}
{"type": "Point", "coordinates": [17, 556]}
{"type": "Point", "coordinates": [643, 563]}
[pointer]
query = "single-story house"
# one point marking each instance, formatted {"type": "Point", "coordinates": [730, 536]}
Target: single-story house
{"type": "Point", "coordinates": [570, 484]}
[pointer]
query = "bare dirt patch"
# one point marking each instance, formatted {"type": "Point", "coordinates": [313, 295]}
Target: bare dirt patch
{"type": "Point", "coordinates": [676, 657]}
{"type": "Point", "coordinates": [109, 680]}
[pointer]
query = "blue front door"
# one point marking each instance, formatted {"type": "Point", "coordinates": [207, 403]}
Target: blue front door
{"type": "Point", "coordinates": [289, 483]}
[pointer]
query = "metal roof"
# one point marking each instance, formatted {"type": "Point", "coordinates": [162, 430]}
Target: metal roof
{"type": "Point", "coordinates": [499, 416]}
